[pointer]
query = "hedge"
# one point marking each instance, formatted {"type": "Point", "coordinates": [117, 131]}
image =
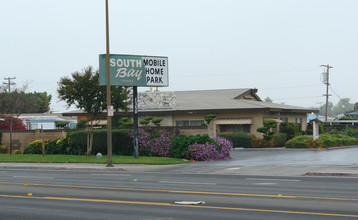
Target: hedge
{"type": "Point", "coordinates": [122, 143]}
{"type": "Point", "coordinates": [238, 139]}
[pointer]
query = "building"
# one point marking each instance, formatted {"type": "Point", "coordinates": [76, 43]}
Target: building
{"type": "Point", "coordinates": [44, 121]}
{"type": "Point", "coordinates": [236, 110]}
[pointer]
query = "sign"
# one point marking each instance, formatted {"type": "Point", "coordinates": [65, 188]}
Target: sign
{"type": "Point", "coordinates": [110, 110]}
{"type": "Point", "coordinates": [134, 70]}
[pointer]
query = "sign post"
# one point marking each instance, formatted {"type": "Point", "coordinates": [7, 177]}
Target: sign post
{"type": "Point", "coordinates": [133, 70]}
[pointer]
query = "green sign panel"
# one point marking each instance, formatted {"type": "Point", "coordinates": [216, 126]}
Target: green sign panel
{"type": "Point", "coordinates": [133, 70]}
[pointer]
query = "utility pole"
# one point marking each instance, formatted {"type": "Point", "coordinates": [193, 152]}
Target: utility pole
{"type": "Point", "coordinates": [9, 83]}
{"type": "Point", "coordinates": [109, 107]}
{"type": "Point", "coordinates": [327, 85]}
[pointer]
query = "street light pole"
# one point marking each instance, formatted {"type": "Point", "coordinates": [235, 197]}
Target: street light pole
{"type": "Point", "coordinates": [109, 119]}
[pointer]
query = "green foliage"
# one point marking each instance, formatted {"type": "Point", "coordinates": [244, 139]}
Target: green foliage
{"type": "Point", "coordinates": [238, 139]}
{"type": "Point", "coordinates": [291, 129]}
{"type": "Point", "coordinates": [279, 140]}
{"type": "Point", "coordinates": [342, 106]}
{"type": "Point", "coordinates": [121, 141]}
{"type": "Point", "coordinates": [148, 119]}
{"type": "Point", "coordinates": [35, 147]}
{"type": "Point", "coordinates": [266, 129]}
{"type": "Point", "coordinates": [17, 152]}
{"type": "Point", "coordinates": [348, 118]}
{"type": "Point", "coordinates": [3, 149]}
{"type": "Point", "coordinates": [82, 124]}
{"type": "Point", "coordinates": [60, 146]}
{"type": "Point", "coordinates": [156, 121]}
{"type": "Point", "coordinates": [61, 124]}
{"type": "Point", "coordinates": [182, 142]}
{"type": "Point", "coordinates": [83, 91]}
{"type": "Point", "coordinates": [350, 132]}
{"type": "Point", "coordinates": [0, 136]}
{"type": "Point", "coordinates": [123, 122]}
{"type": "Point", "coordinates": [209, 118]}
{"type": "Point", "coordinates": [298, 142]}
{"type": "Point", "coordinates": [335, 140]}
{"type": "Point", "coordinates": [144, 122]}
{"type": "Point", "coordinates": [37, 102]}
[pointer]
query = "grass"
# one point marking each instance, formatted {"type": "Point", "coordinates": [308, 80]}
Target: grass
{"type": "Point", "coordinates": [116, 159]}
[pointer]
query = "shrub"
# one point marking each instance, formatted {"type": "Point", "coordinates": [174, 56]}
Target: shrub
{"type": "Point", "coordinates": [0, 136]}
{"type": "Point", "coordinates": [209, 118]}
{"type": "Point", "coordinates": [351, 132]}
{"type": "Point", "coordinates": [334, 140]}
{"type": "Point", "coordinates": [156, 142]}
{"type": "Point", "coordinates": [291, 129]}
{"type": "Point", "coordinates": [210, 151]}
{"type": "Point", "coordinates": [121, 142]}
{"type": "Point", "coordinates": [60, 146]}
{"type": "Point", "coordinates": [180, 144]}
{"type": "Point", "coordinates": [304, 141]}
{"type": "Point", "coordinates": [279, 140]}
{"type": "Point", "coordinates": [266, 129]}
{"type": "Point", "coordinates": [61, 124]}
{"type": "Point", "coordinates": [238, 139]}
{"type": "Point", "coordinates": [17, 152]}
{"type": "Point", "coordinates": [260, 142]}
{"type": "Point", "coordinates": [3, 149]}
{"type": "Point", "coordinates": [35, 147]}
{"type": "Point", "coordinates": [82, 124]}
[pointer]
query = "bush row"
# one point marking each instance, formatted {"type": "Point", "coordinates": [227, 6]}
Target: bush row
{"type": "Point", "coordinates": [249, 140]}
{"type": "Point", "coordinates": [324, 141]}
{"type": "Point", "coordinates": [75, 143]}
{"type": "Point", "coordinates": [152, 142]}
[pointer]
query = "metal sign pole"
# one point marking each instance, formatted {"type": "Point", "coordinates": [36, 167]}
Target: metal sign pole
{"type": "Point", "coordinates": [135, 121]}
{"type": "Point", "coordinates": [109, 118]}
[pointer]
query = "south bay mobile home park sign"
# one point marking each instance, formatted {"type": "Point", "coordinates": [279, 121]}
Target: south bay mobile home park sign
{"type": "Point", "coordinates": [134, 70]}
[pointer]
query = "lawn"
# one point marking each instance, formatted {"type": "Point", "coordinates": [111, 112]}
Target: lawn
{"type": "Point", "coordinates": [116, 159]}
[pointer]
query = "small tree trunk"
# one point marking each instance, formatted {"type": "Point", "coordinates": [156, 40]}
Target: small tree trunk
{"type": "Point", "coordinates": [91, 138]}
{"type": "Point", "coordinates": [11, 125]}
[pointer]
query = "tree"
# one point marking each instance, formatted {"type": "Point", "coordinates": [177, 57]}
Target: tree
{"type": "Point", "coordinates": [6, 124]}
{"type": "Point", "coordinates": [37, 102]}
{"type": "Point", "coordinates": [267, 129]}
{"type": "Point", "coordinates": [11, 106]}
{"type": "Point", "coordinates": [84, 92]}
{"type": "Point", "coordinates": [342, 106]}
{"type": "Point", "coordinates": [269, 100]}
{"type": "Point", "coordinates": [322, 109]}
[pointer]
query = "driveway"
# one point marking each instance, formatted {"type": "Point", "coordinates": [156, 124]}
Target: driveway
{"type": "Point", "coordinates": [280, 162]}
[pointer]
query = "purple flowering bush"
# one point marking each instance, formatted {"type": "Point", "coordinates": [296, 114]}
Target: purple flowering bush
{"type": "Point", "coordinates": [159, 142]}
{"type": "Point", "coordinates": [156, 142]}
{"type": "Point", "coordinates": [209, 151]}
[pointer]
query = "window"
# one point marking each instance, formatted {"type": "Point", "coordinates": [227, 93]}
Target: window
{"type": "Point", "coordinates": [299, 120]}
{"type": "Point", "coordinates": [189, 122]}
{"type": "Point", "coordinates": [239, 128]}
{"type": "Point", "coordinates": [284, 119]}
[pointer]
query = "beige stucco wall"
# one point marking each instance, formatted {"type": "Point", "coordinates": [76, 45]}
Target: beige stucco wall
{"type": "Point", "coordinates": [21, 139]}
{"type": "Point", "coordinates": [256, 116]}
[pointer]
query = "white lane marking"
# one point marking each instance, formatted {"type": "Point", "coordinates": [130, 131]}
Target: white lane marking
{"type": "Point", "coordinates": [284, 180]}
{"type": "Point", "coordinates": [264, 184]}
{"type": "Point", "coordinates": [109, 174]}
{"type": "Point", "coordinates": [233, 168]}
{"type": "Point", "coordinates": [192, 183]}
{"type": "Point", "coordinates": [35, 177]}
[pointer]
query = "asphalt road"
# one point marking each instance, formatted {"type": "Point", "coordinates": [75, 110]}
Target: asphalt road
{"type": "Point", "coordinates": [57, 194]}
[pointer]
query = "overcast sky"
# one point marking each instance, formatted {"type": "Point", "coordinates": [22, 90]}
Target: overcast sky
{"type": "Point", "coordinates": [276, 46]}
